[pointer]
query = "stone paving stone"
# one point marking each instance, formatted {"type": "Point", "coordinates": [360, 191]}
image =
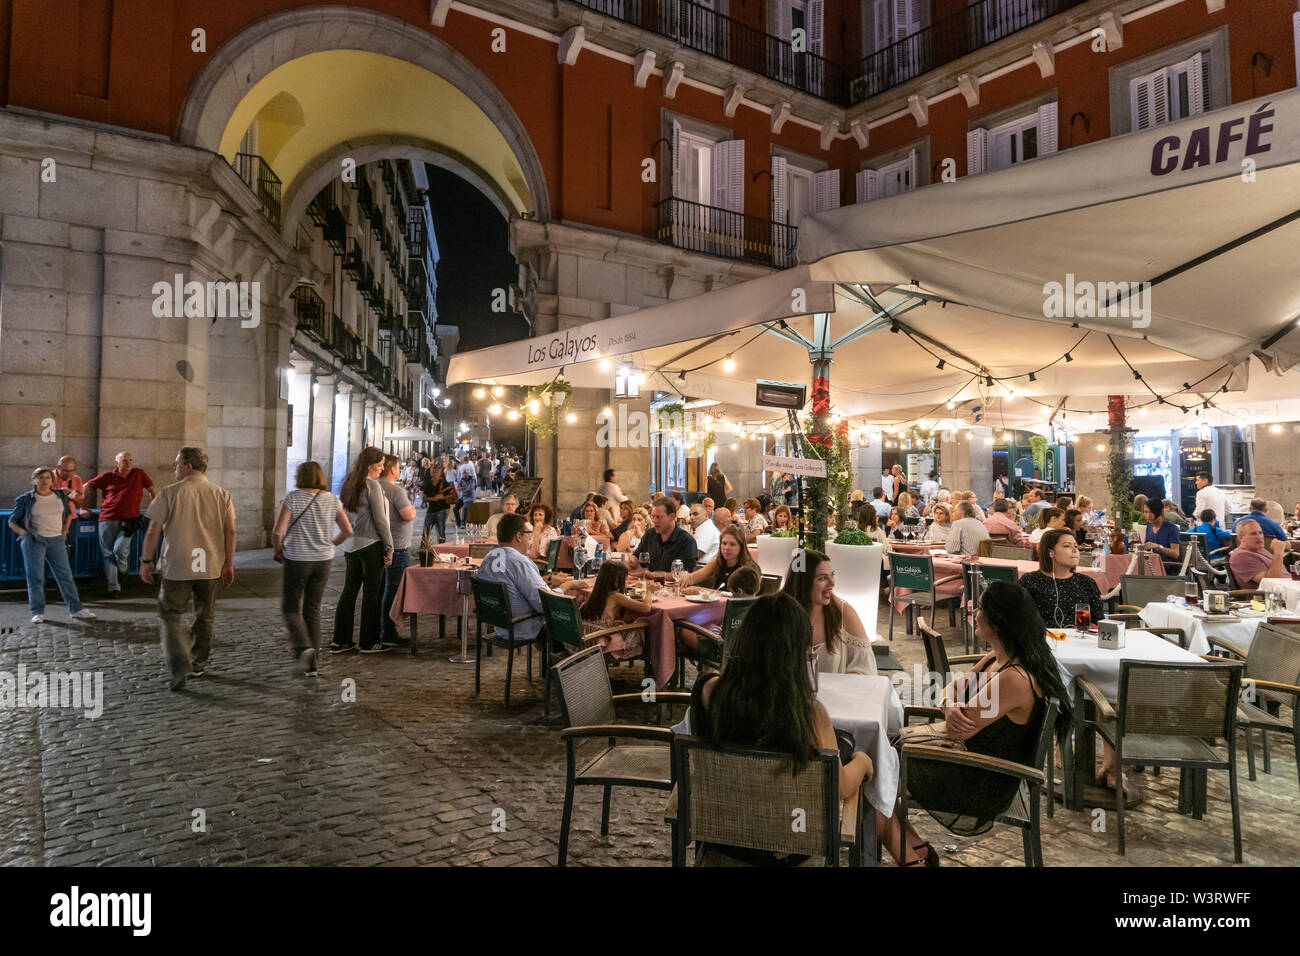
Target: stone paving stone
{"type": "Point", "coordinates": [286, 772]}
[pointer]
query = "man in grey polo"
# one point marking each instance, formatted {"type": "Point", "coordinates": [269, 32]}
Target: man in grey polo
{"type": "Point", "coordinates": [196, 520]}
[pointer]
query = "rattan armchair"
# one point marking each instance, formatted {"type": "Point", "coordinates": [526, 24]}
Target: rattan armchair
{"type": "Point", "coordinates": [481, 549]}
{"type": "Point", "coordinates": [748, 798]}
{"type": "Point", "coordinates": [1272, 665]}
{"type": "Point", "coordinates": [600, 752]}
{"type": "Point", "coordinates": [564, 626]}
{"type": "Point", "coordinates": [1166, 715]}
{"type": "Point", "coordinates": [1139, 590]}
{"type": "Point", "coordinates": [1022, 811]}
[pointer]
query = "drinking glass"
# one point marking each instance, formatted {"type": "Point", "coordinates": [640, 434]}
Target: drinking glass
{"type": "Point", "coordinates": [1082, 616]}
{"type": "Point", "coordinates": [1191, 593]}
{"type": "Point", "coordinates": [644, 559]}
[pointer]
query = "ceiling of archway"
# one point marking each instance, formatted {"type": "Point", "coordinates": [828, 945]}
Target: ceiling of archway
{"type": "Point", "coordinates": [308, 106]}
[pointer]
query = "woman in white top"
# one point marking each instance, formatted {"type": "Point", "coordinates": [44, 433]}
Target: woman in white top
{"type": "Point", "coordinates": [839, 636]}
{"type": "Point", "coordinates": [756, 523]}
{"type": "Point", "coordinates": [368, 552]}
{"type": "Point", "coordinates": [304, 541]}
{"type": "Point", "coordinates": [1048, 519]}
{"type": "Point", "coordinates": [543, 522]}
{"type": "Point", "coordinates": [629, 539]}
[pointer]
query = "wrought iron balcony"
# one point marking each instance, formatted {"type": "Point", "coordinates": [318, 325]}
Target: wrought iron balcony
{"type": "Point", "coordinates": [264, 183]}
{"type": "Point", "coordinates": [346, 345]}
{"type": "Point", "coordinates": [416, 238]}
{"type": "Point", "coordinates": [708, 31]}
{"type": "Point", "coordinates": [946, 40]}
{"type": "Point", "coordinates": [375, 369]}
{"type": "Point", "coordinates": [377, 222]}
{"type": "Point", "coordinates": [309, 309]}
{"type": "Point", "coordinates": [721, 232]}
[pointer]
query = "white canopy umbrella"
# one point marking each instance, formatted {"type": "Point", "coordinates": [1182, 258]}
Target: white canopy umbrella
{"type": "Point", "coordinates": [411, 433]}
{"type": "Point", "coordinates": [1207, 210]}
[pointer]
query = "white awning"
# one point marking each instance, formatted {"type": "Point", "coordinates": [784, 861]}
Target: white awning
{"type": "Point", "coordinates": [411, 433]}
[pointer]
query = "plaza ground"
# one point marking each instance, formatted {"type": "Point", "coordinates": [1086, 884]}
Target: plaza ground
{"type": "Point", "coordinates": [280, 769]}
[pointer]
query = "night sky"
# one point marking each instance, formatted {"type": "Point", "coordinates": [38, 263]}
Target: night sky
{"type": "Point", "coordinates": [474, 259]}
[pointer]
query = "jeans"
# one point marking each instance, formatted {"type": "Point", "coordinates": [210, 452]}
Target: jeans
{"type": "Point", "coordinates": [436, 519]}
{"type": "Point", "coordinates": [464, 509]}
{"type": "Point", "coordinates": [392, 578]}
{"type": "Point", "coordinates": [304, 586]}
{"type": "Point", "coordinates": [54, 549]}
{"type": "Point", "coordinates": [115, 548]}
{"type": "Point", "coordinates": [365, 573]}
{"type": "Point", "coordinates": [182, 655]}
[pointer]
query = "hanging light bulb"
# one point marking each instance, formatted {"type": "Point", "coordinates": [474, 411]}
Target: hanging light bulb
{"type": "Point", "coordinates": [607, 412]}
{"type": "Point", "coordinates": [498, 391]}
{"type": "Point", "coordinates": [480, 393]}
{"type": "Point", "coordinates": [570, 418]}
{"type": "Point", "coordinates": [952, 404]}
{"type": "Point", "coordinates": [494, 409]}
{"type": "Point", "coordinates": [512, 415]}
{"type": "Point", "coordinates": [728, 364]}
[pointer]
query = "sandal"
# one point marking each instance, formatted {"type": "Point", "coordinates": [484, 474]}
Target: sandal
{"type": "Point", "coordinates": [931, 857]}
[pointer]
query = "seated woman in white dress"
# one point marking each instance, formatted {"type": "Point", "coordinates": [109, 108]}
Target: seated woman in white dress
{"type": "Point", "coordinates": [839, 637]}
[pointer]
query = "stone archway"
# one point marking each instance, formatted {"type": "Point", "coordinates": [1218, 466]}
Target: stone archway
{"type": "Point", "coordinates": [245, 60]}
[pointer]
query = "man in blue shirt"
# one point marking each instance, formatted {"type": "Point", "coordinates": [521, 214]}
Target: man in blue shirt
{"type": "Point", "coordinates": [1270, 527]}
{"type": "Point", "coordinates": [1162, 536]}
{"type": "Point", "coordinates": [508, 564]}
{"type": "Point", "coordinates": [1215, 537]}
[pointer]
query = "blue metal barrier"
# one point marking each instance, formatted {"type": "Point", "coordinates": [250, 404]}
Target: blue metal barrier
{"type": "Point", "coordinates": [83, 538]}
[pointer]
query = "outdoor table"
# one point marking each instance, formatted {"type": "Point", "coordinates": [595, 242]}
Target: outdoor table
{"type": "Point", "coordinates": [918, 547]}
{"type": "Point", "coordinates": [459, 548]}
{"type": "Point", "coordinates": [868, 708]}
{"type": "Point", "coordinates": [1289, 587]}
{"type": "Point", "coordinates": [431, 590]}
{"type": "Point", "coordinates": [565, 559]}
{"type": "Point", "coordinates": [1079, 656]}
{"type": "Point", "coordinates": [1199, 626]}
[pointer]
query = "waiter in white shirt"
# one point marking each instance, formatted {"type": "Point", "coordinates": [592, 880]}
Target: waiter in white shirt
{"type": "Point", "coordinates": [1208, 496]}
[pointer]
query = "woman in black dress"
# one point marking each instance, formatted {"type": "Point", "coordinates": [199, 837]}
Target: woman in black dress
{"type": "Point", "coordinates": [997, 709]}
{"type": "Point", "coordinates": [718, 485]}
{"type": "Point", "coordinates": [1056, 587]}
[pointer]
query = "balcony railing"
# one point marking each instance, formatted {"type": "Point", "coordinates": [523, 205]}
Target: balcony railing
{"type": "Point", "coordinates": [721, 232]}
{"type": "Point", "coordinates": [708, 31]}
{"type": "Point", "coordinates": [346, 345]}
{"type": "Point", "coordinates": [946, 40]}
{"type": "Point", "coordinates": [265, 184]}
{"type": "Point", "coordinates": [309, 310]}
{"type": "Point", "coordinates": [416, 238]}
{"type": "Point", "coordinates": [375, 370]}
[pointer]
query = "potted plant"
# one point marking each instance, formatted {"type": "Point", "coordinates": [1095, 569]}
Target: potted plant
{"type": "Point", "coordinates": [858, 560]}
{"type": "Point", "coordinates": [775, 551]}
{"type": "Point", "coordinates": [542, 405]}
{"type": "Point", "coordinates": [427, 554]}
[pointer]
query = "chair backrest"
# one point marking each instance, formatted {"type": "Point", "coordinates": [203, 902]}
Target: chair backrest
{"type": "Point", "coordinates": [999, 572]}
{"type": "Point", "coordinates": [1015, 552]}
{"type": "Point", "coordinates": [911, 522]}
{"type": "Point", "coordinates": [479, 512]}
{"type": "Point", "coordinates": [492, 604]}
{"type": "Point", "coordinates": [563, 622]}
{"type": "Point", "coordinates": [586, 697]}
{"type": "Point", "coordinates": [936, 655]}
{"type": "Point", "coordinates": [1140, 590]}
{"type": "Point", "coordinates": [481, 549]}
{"type": "Point", "coordinates": [915, 571]}
{"type": "Point", "coordinates": [770, 584]}
{"type": "Point", "coordinates": [1178, 700]}
{"type": "Point", "coordinates": [1044, 748]}
{"type": "Point", "coordinates": [749, 798]}
{"type": "Point", "coordinates": [1274, 655]}
{"type": "Point", "coordinates": [553, 553]}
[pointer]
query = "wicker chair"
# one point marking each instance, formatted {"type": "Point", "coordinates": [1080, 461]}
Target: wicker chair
{"type": "Point", "coordinates": [975, 577]}
{"type": "Point", "coordinates": [1273, 665]}
{"type": "Point", "coordinates": [742, 797]}
{"type": "Point", "coordinates": [1023, 810]}
{"type": "Point", "coordinates": [481, 549]}
{"type": "Point", "coordinates": [492, 606]}
{"type": "Point", "coordinates": [1139, 590]}
{"type": "Point", "coordinates": [564, 625]}
{"type": "Point", "coordinates": [1016, 552]}
{"type": "Point", "coordinates": [589, 705]}
{"type": "Point", "coordinates": [916, 572]}
{"type": "Point", "coordinates": [1165, 716]}
{"type": "Point", "coordinates": [770, 585]}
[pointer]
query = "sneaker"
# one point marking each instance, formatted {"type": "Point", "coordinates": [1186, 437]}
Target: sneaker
{"type": "Point", "coordinates": [337, 648]}
{"type": "Point", "coordinates": [85, 614]}
{"type": "Point", "coordinates": [38, 618]}
{"type": "Point", "coordinates": [306, 663]}
{"type": "Point", "coordinates": [396, 642]}
{"type": "Point", "coordinates": [376, 649]}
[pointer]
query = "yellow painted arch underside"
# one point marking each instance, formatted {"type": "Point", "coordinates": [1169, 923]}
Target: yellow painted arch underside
{"type": "Point", "coordinates": [308, 106]}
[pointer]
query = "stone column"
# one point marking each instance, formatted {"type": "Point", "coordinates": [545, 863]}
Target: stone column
{"type": "Point", "coordinates": [321, 451]}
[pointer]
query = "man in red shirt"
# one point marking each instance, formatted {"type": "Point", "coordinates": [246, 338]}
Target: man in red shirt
{"type": "Point", "coordinates": [119, 515]}
{"type": "Point", "coordinates": [67, 479]}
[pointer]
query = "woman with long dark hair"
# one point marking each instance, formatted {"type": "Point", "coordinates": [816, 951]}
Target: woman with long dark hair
{"type": "Point", "coordinates": [996, 709]}
{"type": "Point", "coordinates": [839, 636]}
{"type": "Point", "coordinates": [610, 605]}
{"type": "Point", "coordinates": [764, 699]}
{"type": "Point", "coordinates": [733, 554]}
{"type": "Point", "coordinates": [367, 553]}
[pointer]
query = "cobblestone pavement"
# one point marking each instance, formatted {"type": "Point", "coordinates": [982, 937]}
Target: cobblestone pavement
{"type": "Point", "coordinates": [252, 764]}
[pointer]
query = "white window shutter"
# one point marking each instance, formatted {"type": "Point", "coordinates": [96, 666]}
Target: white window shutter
{"type": "Point", "coordinates": [903, 17]}
{"type": "Point", "coordinates": [735, 154]}
{"type": "Point", "coordinates": [1047, 129]}
{"type": "Point", "coordinates": [882, 25]}
{"type": "Point", "coordinates": [910, 172]}
{"type": "Point", "coordinates": [784, 21]}
{"type": "Point", "coordinates": [1197, 94]}
{"type": "Point", "coordinates": [1000, 154]}
{"type": "Point", "coordinates": [977, 151]}
{"type": "Point", "coordinates": [1149, 97]}
{"type": "Point", "coordinates": [780, 197]}
{"type": "Point", "coordinates": [816, 25]}
{"type": "Point", "coordinates": [826, 190]}
{"type": "Point", "coordinates": [677, 160]}
{"type": "Point", "coordinates": [868, 183]}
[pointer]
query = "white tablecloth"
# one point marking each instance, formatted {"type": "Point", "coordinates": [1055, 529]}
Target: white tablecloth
{"type": "Point", "coordinates": [1078, 656]}
{"type": "Point", "coordinates": [1288, 587]}
{"type": "Point", "coordinates": [868, 708]}
{"type": "Point", "coordinates": [1237, 631]}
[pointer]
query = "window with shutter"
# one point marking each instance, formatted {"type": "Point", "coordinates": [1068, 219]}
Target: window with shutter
{"type": "Point", "coordinates": [1149, 96]}
{"type": "Point", "coordinates": [867, 188]}
{"type": "Point", "coordinates": [977, 151]}
{"type": "Point", "coordinates": [826, 191]}
{"type": "Point", "coordinates": [782, 234]}
{"type": "Point", "coordinates": [726, 222]}
{"type": "Point", "coordinates": [1047, 123]}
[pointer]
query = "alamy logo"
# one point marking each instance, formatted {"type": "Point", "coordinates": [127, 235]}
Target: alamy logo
{"type": "Point", "coordinates": [1098, 300]}
{"type": "Point", "coordinates": [208, 300]}
{"type": "Point", "coordinates": [75, 909]}
{"type": "Point", "coordinates": [68, 690]}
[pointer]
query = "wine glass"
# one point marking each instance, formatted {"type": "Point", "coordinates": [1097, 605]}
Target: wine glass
{"type": "Point", "coordinates": [1190, 593]}
{"type": "Point", "coordinates": [1082, 617]}
{"type": "Point", "coordinates": [644, 559]}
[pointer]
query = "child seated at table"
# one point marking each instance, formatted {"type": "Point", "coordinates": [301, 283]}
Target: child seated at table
{"type": "Point", "coordinates": [609, 606]}
{"type": "Point", "coordinates": [744, 582]}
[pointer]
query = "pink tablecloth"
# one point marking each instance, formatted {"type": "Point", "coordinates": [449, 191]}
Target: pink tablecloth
{"type": "Point", "coordinates": [459, 549]}
{"type": "Point", "coordinates": [565, 559]}
{"type": "Point", "coordinates": [428, 591]}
